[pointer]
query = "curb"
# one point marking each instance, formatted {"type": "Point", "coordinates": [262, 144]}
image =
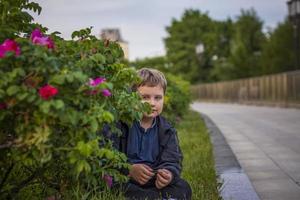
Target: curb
{"type": "Point", "coordinates": [235, 183]}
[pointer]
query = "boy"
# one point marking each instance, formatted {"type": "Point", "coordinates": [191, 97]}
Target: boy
{"type": "Point", "coordinates": [152, 147]}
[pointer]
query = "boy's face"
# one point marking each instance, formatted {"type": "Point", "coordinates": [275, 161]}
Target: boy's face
{"type": "Point", "coordinates": [154, 96]}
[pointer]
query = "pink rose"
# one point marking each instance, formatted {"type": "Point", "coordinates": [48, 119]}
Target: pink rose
{"type": "Point", "coordinates": [9, 45]}
{"type": "Point", "coordinates": [47, 91]}
{"type": "Point", "coordinates": [106, 93]}
{"type": "Point", "coordinates": [38, 38]}
{"type": "Point", "coordinates": [96, 81]}
{"type": "Point", "coordinates": [36, 33]}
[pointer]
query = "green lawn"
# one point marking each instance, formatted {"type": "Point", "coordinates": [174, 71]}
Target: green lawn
{"type": "Point", "coordinates": [198, 163]}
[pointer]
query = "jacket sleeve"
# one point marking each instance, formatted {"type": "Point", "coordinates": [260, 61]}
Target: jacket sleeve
{"type": "Point", "coordinates": [109, 136]}
{"type": "Point", "coordinates": [171, 155]}
{"type": "Point", "coordinates": [117, 141]}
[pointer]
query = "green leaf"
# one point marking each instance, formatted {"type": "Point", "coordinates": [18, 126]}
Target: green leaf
{"type": "Point", "coordinates": [94, 125]}
{"type": "Point", "coordinates": [109, 154]}
{"type": "Point", "coordinates": [72, 157]}
{"type": "Point", "coordinates": [82, 165]}
{"type": "Point", "coordinates": [59, 104]}
{"type": "Point", "coordinates": [13, 90]}
{"type": "Point", "coordinates": [45, 107]}
{"type": "Point", "coordinates": [33, 6]}
{"type": "Point", "coordinates": [31, 98]}
{"type": "Point", "coordinates": [107, 117]}
{"type": "Point", "coordinates": [80, 76]}
{"type": "Point", "coordinates": [98, 58]}
{"type": "Point", "coordinates": [58, 79]}
{"type": "Point", "coordinates": [22, 96]}
{"type": "Point", "coordinates": [70, 116]}
{"type": "Point", "coordinates": [70, 78]}
{"type": "Point", "coordinates": [85, 149]}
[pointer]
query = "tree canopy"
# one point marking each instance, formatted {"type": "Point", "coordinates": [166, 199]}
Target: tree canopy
{"type": "Point", "coordinates": [184, 35]}
{"type": "Point", "coordinates": [277, 54]}
{"type": "Point", "coordinates": [233, 49]}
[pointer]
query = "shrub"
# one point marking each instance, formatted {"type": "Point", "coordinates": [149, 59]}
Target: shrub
{"type": "Point", "coordinates": [55, 97]}
{"type": "Point", "coordinates": [177, 99]}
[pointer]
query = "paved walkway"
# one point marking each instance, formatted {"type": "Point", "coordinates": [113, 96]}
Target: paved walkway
{"type": "Point", "coordinates": [266, 142]}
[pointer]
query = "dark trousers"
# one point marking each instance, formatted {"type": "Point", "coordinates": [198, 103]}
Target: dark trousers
{"type": "Point", "coordinates": [179, 189]}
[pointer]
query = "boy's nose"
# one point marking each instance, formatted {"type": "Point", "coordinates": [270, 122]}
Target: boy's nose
{"type": "Point", "coordinates": [152, 102]}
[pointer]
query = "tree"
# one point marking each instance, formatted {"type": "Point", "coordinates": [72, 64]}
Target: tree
{"type": "Point", "coordinates": [222, 69]}
{"type": "Point", "coordinates": [278, 53]}
{"type": "Point", "coordinates": [184, 35]}
{"type": "Point", "coordinates": [160, 62]}
{"type": "Point", "coordinates": [246, 45]}
{"type": "Point", "coordinates": [14, 18]}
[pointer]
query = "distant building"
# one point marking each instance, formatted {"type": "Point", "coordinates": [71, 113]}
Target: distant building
{"type": "Point", "coordinates": [113, 34]}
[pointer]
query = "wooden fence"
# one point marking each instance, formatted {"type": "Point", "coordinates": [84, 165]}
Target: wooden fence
{"type": "Point", "coordinates": [274, 90]}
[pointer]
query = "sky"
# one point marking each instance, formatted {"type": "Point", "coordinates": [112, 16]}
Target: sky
{"type": "Point", "coordinates": [142, 22]}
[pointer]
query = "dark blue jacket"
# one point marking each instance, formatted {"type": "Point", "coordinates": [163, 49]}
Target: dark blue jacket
{"type": "Point", "coordinates": [169, 157]}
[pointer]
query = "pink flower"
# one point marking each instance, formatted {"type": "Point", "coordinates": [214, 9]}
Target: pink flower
{"type": "Point", "coordinates": [44, 41]}
{"type": "Point", "coordinates": [9, 45]}
{"type": "Point", "coordinates": [108, 180]}
{"type": "Point", "coordinates": [3, 106]}
{"type": "Point", "coordinates": [96, 81]}
{"type": "Point", "coordinates": [47, 91]}
{"type": "Point", "coordinates": [38, 38]}
{"type": "Point", "coordinates": [106, 93]}
{"type": "Point", "coordinates": [36, 33]}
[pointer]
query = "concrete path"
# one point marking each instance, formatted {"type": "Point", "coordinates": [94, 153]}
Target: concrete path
{"type": "Point", "coordinates": [266, 142]}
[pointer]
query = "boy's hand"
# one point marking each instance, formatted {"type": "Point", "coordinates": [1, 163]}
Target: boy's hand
{"type": "Point", "coordinates": [163, 178]}
{"type": "Point", "coordinates": [141, 173]}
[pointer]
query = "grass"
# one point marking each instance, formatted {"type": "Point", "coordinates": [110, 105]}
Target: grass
{"type": "Point", "coordinates": [198, 163]}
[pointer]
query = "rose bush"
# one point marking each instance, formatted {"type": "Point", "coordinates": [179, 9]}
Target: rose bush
{"type": "Point", "coordinates": [55, 97]}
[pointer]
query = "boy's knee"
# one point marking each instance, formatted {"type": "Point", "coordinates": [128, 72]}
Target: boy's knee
{"type": "Point", "coordinates": [186, 189]}
{"type": "Point", "coordinates": [180, 189]}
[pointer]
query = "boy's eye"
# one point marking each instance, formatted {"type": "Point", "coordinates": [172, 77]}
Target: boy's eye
{"type": "Point", "coordinates": [158, 97]}
{"type": "Point", "coordinates": [145, 97]}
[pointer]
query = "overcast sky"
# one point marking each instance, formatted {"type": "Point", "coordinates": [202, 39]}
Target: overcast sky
{"type": "Point", "coordinates": [142, 22]}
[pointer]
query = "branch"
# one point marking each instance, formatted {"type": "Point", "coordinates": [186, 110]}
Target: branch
{"type": "Point", "coordinates": [6, 145]}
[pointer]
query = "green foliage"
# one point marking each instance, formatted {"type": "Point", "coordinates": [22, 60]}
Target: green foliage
{"type": "Point", "coordinates": [225, 30]}
{"type": "Point", "coordinates": [177, 98]}
{"type": "Point", "coordinates": [160, 63]}
{"type": "Point", "coordinates": [232, 49]}
{"type": "Point", "coordinates": [244, 49]}
{"type": "Point", "coordinates": [83, 34]}
{"type": "Point", "coordinates": [278, 53]}
{"type": "Point", "coordinates": [246, 45]}
{"type": "Point", "coordinates": [184, 35]}
{"type": "Point", "coordinates": [49, 147]}
{"type": "Point", "coordinates": [15, 19]}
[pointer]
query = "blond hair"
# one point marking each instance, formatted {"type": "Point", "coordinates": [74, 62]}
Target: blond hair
{"type": "Point", "coordinates": [151, 77]}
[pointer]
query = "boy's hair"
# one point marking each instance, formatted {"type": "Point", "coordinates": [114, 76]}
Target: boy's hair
{"type": "Point", "coordinates": [151, 77]}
